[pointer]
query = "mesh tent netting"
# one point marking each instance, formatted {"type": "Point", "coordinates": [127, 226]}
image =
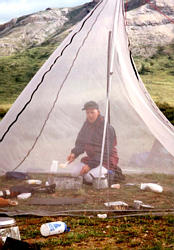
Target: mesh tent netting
{"type": "Point", "coordinates": [93, 63]}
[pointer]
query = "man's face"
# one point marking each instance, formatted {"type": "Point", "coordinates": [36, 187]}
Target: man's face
{"type": "Point", "coordinates": [92, 114]}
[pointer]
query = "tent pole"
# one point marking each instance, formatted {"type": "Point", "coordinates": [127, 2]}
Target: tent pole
{"type": "Point", "coordinates": [110, 61]}
{"type": "Point", "coordinates": [108, 72]}
{"type": "Point", "coordinates": [107, 111]}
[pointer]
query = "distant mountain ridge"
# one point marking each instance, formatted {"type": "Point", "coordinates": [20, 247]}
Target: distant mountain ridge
{"type": "Point", "coordinates": [146, 26]}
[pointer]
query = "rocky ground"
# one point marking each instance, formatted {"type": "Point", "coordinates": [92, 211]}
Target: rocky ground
{"type": "Point", "coordinates": [150, 25]}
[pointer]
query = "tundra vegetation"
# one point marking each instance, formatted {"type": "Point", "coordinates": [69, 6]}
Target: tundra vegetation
{"type": "Point", "coordinates": [156, 72]}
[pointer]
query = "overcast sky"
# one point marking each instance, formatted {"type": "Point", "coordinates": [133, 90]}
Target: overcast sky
{"type": "Point", "coordinates": [14, 8]}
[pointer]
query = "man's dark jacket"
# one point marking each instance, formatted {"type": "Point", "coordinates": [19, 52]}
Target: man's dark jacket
{"type": "Point", "coordinates": [89, 140]}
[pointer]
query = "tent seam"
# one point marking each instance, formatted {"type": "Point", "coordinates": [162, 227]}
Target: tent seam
{"type": "Point", "coordinates": [43, 76]}
{"type": "Point", "coordinates": [54, 103]}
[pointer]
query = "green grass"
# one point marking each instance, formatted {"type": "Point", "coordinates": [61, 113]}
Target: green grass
{"type": "Point", "coordinates": [141, 232]}
{"type": "Point", "coordinates": [17, 70]}
{"type": "Point", "coordinates": [156, 72]}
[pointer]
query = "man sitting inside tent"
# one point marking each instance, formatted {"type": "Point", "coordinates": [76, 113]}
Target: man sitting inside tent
{"type": "Point", "coordinates": [89, 140]}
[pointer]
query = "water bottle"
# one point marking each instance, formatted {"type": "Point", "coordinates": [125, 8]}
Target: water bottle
{"type": "Point", "coordinates": [52, 228]}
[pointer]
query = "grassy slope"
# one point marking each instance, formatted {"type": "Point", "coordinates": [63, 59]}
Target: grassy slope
{"type": "Point", "coordinates": [156, 72]}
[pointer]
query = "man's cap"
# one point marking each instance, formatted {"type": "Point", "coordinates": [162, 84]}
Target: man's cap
{"type": "Point", "coordinates": [90, 105]}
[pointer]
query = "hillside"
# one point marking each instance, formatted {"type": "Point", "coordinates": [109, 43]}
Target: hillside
{"type": "Point", "coordinates": [148, 26]}
{"type": "Point", "coordinates": [39, 28]}
{"type": "Point", "coordinates": [20, 61]}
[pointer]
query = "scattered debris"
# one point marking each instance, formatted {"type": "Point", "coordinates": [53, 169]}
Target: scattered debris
{"type": "Point", "coordinates": [7, 202]}
{"type": "Point", "coordinates": [116, 186]}
{"type": "Point", "coordinates": [118, 205]}
{"type": "Point", "coordinates": [102, 216]}
{"type": "Point", "coordinates": [130, 184]}
{"type": "Point", "coordinates": [12, 203]}
{"type": "Point", "coordinates": [24, 196]}
{"type": "Point", "coordinates": [32, 181]}
{"type": "Point", "coordinates": [144, 206]}
{"type": "Point", "coordinates": [140, 205]}
{"type": "Point", "coordinates": [137, 204]}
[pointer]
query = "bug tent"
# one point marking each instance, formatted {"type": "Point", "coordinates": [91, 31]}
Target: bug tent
{"type": "Point", "coordinates": [92, 63]}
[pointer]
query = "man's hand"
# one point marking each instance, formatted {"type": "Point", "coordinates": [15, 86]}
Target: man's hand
{"type": "Point", "coordinates": [71, 157]}
{"type": "Point", "coordinates": [85, 169]}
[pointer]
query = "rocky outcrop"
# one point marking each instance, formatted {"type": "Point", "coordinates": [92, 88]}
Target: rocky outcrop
{"type": "Point", "coordinates": [150, 23]}
{"type": "Point", "coordinates": [31, 30]}
{"type": "Point", "coordinates": [6, 26]}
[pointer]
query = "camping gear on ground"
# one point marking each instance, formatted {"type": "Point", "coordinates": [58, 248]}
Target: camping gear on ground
{"type": "Point", "coordinates": [137, 204]}
{"type": "Point", "coordinates": [24, 196]}
{"type": "Point", "coordinates": [17, 175]}
{"type": "Point", "coordinates": [7, 202]}
{"type": "Point", "coordinates": [32, 188]}
{"type": "Point", "coordinates": [151, 187]}
{"type": "Point", "coordinates": [49, 189]}
{"type": "Point", "coordinates": [19, 189]}
{"type": "Point", "coordinates": [93, 63]}
{"type": "Point", "coordinates": [8, 228]}
{"type": "Point", "coordinates": [98, 172]}
{"type": "Point", "coordinates": [116, 186]}
{"type": "Point", "coordinates": [117, 205]}
{"type": "Point", "coordinates": [99, 183]}
{"type": "Point", "coordinates": [32, 181]}
{"type": "Point", "coordinates": [52, 228]}
{"type": "Point", "coordinates": [68, 182]}
{"type": "Point", "coordinates": [140, 205]}
{"type": "Point", "coordinates": [9, 193]}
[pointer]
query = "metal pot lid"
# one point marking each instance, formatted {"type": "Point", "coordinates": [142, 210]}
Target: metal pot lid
{"type": "Point", "coordinates": [5, 221]}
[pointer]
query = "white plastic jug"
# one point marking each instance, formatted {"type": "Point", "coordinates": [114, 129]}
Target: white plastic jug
{"type": "Point", "coordinates": [52, 228]}
{"type": "Point", "coordinates": [152, 187]}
